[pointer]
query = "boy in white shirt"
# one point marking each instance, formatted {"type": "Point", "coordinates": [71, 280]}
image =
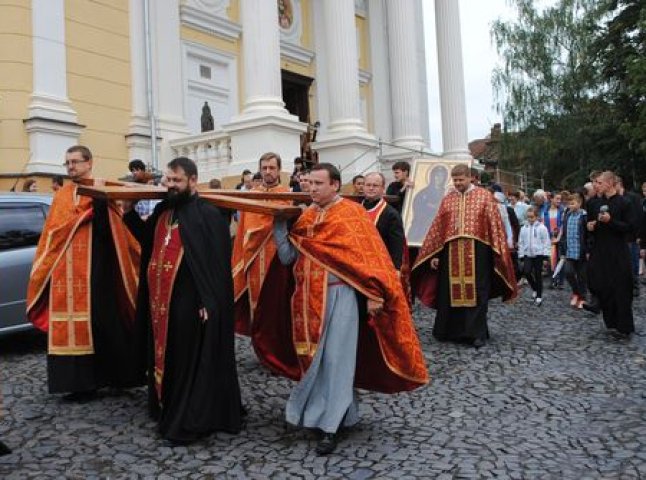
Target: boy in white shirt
{"type": "Point", "coordinates": [534, 246]}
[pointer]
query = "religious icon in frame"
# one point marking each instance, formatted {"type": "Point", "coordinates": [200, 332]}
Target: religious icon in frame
{"type": "Point", "coordinates": [432, 180]}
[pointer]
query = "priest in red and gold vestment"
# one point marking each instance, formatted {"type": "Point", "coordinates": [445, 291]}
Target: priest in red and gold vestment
{"type": "Point", "coordinates": [259, 280]}
{"type": "Point", "coordinates": [82, 291]}
{"type": "Point", "coordinates": [186, 297]}
{"type": "Point", "coordinates": [463, 262]}
{"type": "Point", "coordinates": [350, 322]}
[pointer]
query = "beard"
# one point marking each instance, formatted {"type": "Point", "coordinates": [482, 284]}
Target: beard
{"type": "Point", "coordinates": [176, 198]}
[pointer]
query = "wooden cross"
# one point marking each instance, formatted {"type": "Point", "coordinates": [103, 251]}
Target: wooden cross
{"type": "Point", "coordinates": [248, 201]}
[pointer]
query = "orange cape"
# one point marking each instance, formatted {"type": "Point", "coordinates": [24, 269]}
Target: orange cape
{"type": "Point", "coordinates": [64, 251]}
{"type": "Point", "coordinates": [473, 215]}
{"type": "Point", "coordinates": [253, 263]}
{"type": "Point", "coordinates": [343, 240]}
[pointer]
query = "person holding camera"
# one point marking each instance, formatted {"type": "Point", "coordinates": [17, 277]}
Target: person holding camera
{"type": "Point", "coordinates": [610, 276]}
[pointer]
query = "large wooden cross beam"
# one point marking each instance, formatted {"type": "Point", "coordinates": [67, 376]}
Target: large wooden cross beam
{"type": "Point", "coordinates": [248, 201]}
{"type": "Point", "coordinates": [134, 192]}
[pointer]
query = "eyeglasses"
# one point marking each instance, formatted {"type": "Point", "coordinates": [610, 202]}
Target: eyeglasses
{"type": "Point", "coordinates": [67, 163]}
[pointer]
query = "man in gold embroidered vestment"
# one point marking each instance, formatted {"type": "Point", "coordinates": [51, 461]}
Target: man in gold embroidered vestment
{"type": "Point", "coordinates": [464, 261]}
{"type": "Point", "coordinates": [259, 280]}
{"type": "Point", "coordinates": [82, 291]}
{"type": "Point", "coordinates": [350, 322]}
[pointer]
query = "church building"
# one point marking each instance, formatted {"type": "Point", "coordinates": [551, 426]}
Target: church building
{"type": "Point", "coordinates": [223, 81]}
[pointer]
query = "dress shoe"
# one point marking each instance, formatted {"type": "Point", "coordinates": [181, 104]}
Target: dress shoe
{"type": "Point", "coordinates": [620, 335]}
{"type": "Point", "coordinates": [591, 307]}
{"type": "Point", "coordinates": [478, 343]}
{"type": "Point", "coordinates": [327, 444]}
{"type": "Point", "coordinates": [4, 450]}
{"type": "Point", "coordinates": [167, 442]}
{"type": "Point", "coordinates": [80, 397]}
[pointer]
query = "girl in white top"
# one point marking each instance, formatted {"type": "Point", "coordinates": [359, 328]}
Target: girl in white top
{"type": "Point", "coordinates": [534, 245]}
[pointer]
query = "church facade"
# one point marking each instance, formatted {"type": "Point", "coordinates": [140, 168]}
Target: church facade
{"type": "Point", "coordinates": [223, 81]}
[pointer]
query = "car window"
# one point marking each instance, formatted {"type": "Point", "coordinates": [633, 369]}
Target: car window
{"type": "Point", "coordinates": [20, 225]}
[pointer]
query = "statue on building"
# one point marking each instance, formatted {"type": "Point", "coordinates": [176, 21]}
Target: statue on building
{"type": "Point", "coordinates": [285, 14]}
{"type": "Point", "coordinates": [207, 118]}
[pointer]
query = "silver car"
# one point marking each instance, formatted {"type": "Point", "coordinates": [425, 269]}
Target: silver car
{"type": "Point", "coordinates": [22, 216]}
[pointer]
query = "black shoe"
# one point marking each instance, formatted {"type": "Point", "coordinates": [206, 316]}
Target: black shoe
{"type": "Point", "coordinates": [592, 308]}
{"type": "Point", "coordinates": [167, 442]}
{"type": "Point", "coordinates": [80, 397]}
{"type": "Point", "coordinates": [4, 450]}
{"type": "Point", "coordinates": [478, 343]}
{"type": "Point", "coordinates": [620, 335]}
{"type": "Point", "coordinates": [327, 444]}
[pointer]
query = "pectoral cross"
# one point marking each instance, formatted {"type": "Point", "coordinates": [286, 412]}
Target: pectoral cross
{"type": "Point", "coordinates": [167, 237]}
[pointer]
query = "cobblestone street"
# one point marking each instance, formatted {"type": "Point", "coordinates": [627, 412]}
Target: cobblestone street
{"type": "Point", "coordinates": [552, 395]}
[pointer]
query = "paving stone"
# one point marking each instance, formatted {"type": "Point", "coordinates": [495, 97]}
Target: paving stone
{"type": "Point", "coordinates": [550, 396]}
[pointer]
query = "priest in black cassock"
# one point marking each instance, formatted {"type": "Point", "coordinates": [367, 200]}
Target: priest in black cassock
{"type": "Point", "coordinates": [386, 218]}
{"type": "Point", "coordinates": [610, 276]}
{"type": "Point", "coordinates": [186, 296]}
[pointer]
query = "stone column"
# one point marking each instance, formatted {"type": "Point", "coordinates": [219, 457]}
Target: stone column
{"type": "Point", "coordinates": [52, 123]}
{"type": "Point", "coordinates": [344, 141]}
{"type": "Point", "coordinates": [404, 74]}
{"type": "Point", "coordinates": [138, 138]}
{"type": "Point", "coordinates": [167, 69]}
{"type": "Point", "coordinates": [264, 124]}
{"type": "Point", "coordinates": [452, 100]}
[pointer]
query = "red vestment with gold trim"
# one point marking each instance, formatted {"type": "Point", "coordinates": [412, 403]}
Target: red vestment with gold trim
{"type": "Point", "coordinates": [254, 264]}
{"type": "Point", "coordinates": [343, 241]}
{"type": "Point", "coordinates": [58, 295]}
{"type": "Point", "coordinates": [164, 263]}
{"type": "Point", "coordinates": [462, 219]}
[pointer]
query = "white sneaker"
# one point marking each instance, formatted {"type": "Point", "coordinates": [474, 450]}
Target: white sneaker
{"type": "Point", "coordinates": [534, 294]}
{"type": "Point", "coordinates": [538, 301]}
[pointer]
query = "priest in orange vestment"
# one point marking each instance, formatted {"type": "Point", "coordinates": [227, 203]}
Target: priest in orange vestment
{"type": "Point", "coordinates": [259, 279]}
{"type": "Point", "coordinates": [82, 291]}
{"type": "Point", "coordinates": [350, 322]}
{"type": "Point", "coordinates": [464, 261]}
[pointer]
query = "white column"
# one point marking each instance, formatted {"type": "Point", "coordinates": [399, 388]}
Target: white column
{"type": "Point", "coordinates": [52, 123]}
{"type": "Point", "coordinates": [344, 141]}
{"type": "Point", "coordinates": [138, 138]}
{"type": "Point", "coordinates": [167, 73]}
{"type": "Point", "coordinates": [404, 74]}
{"type": "Point", "coordinates": [264, 124]}
{"type": "Point", "coordinates": [343, 76]}
{"type": "Point", "coordinates": [452, 100]}
{"type": "Point", "coordinates": [261, 58]}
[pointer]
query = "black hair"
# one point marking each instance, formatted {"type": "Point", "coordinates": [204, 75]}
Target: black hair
{"type": "Point", "coordinates": [136, 164]}
{"type": "Point", "coordinates": [186, 164]}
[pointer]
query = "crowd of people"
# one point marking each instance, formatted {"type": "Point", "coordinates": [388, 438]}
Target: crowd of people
{"type": "Point", "coordinates": [153, 294]}
{"type": "Point", "coordinates": [593, 238]}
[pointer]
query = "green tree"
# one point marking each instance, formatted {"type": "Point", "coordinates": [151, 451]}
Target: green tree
{"type": "Point", "coordinates": [563, 92]}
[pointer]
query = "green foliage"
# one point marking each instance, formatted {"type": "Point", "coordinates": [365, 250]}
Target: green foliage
{"type": "Point", "coordinates": [572, 88]}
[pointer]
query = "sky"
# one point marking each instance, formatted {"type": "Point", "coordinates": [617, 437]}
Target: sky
{"type": "Point", "coordinates": [479, 58]}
